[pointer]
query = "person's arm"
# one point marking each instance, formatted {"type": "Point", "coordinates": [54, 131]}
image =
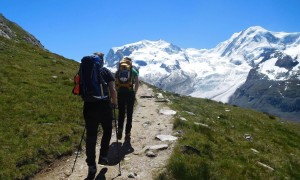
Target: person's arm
{"type": "Point", "coordinates": [136, 84]}
{"type": "Point", "coordinates": [113, 93]}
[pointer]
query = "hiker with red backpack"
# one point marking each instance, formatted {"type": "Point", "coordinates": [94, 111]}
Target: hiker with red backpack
{"type": "Point", "coordinates": [127, 84]}
{"type": "Point", "coordinates": [97, 89]}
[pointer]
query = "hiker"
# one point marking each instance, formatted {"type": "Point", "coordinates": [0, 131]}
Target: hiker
{"type": "Point", "coordinates": [127, 84]}
{"type": "Point", "coordinates": [98, 110]}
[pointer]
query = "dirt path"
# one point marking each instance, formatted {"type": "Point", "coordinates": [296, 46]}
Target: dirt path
{"type": "Point", "coordinates": [140, 158]}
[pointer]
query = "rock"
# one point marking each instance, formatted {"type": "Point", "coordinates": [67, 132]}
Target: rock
{"type": "Point", "coordinates": [189, 150]}
{"type": "Point", "coordinates": [254, 150]}
{"type": "Point", "coordinates": [141, 151]}
{"type": "Point", "coordinates": [160, 96]}
{"type": "Point", "coordinates": [190, 113]}
{"type": "Point", "coordinates": [248, 137]}
{"type": "Point", "coordinates": [146, 96]}
{"type": "Point", "coordinates": [265, 166]}
{"type": "Point", "coordinates": [178, 133]}
{"type": "Point", "coordinates": [167, 112]}
{"type": "Point", "coordinates": [166, 137]}
{"type": "Point", "coordinates": [151, 154]}
{"type": "Point", "coordinates": [67, 173]}
{"type": "Point", "coordinates": [159, 147]}
{"type": "Point", "coordinates": [200, 124]}
{"type": "Point", "coordinates": [131, 175]}
{"type": "Point", "coordinates": [162, 100]}
{"type": "Point", "coordinates": [148, 123]}
{"type": "Point", "coordinates": [183, 119]}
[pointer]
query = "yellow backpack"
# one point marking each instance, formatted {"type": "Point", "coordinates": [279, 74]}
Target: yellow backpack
{"type": "Point", "coordinates": [124, 74]}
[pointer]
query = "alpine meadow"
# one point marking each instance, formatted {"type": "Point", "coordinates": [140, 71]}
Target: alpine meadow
{"type": "Point", "coordinates": [41, 122]}
{"type": "Point", "coordinates": [40, 119]}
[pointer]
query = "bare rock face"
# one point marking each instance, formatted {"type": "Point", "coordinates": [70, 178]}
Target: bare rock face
{"type": "Point", "coordinates": [11, 30]}
{"type": "Point", "coordinates": [5, 31]}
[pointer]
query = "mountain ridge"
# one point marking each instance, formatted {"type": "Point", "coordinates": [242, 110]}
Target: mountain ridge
{"type": "Point", "coordinates": [41, 122]}
{"type": "Point", "coordinates": [215, 73]}
{"type": "Point", "coordinates": [11, 30]}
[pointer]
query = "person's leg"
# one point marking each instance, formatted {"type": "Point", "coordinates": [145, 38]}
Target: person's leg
{"type": "Point", "coordinates": [106, 123]}
{"type": "Point", "coordinates": [130, 106]}
{"type": "Point", "coordinates": [91, 125]}
{"type": "Point", "coordinates": [121, 107]}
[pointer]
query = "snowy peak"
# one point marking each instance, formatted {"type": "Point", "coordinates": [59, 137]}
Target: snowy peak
{"type": "Point", "coordinates": [252, 45]}
{"type": "Point", "coordinates": [144, 52]}
{"type": "Point", "coordinates": [240, 43]}
{"type": "Point", "coordinates": [215, 73]}
{"type": "Point", "coordinates": [233, 72]}
{"type": "Point", "coordinates": [161, 46]}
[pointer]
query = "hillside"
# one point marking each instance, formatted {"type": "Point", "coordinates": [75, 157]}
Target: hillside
{"type": "Point", "coordinates": [219, 141]}
{"type": "Point", "coordinates": [13, 31]}
{"type": "Point", "coordinates": [40, 120]}
{"type": "Point", "coordinates": [138, 158]}
{"type": "Point", "coordinates": [215, 141]}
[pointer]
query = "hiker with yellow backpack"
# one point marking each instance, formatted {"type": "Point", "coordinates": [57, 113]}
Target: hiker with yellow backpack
{"type": "Point", "coordinates": [127, 84]}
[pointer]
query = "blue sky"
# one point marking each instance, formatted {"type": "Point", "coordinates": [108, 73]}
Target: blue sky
{"type": "Point", "coordinates": [75, 28]}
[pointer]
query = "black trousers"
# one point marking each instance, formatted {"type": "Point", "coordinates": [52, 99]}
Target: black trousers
{"type": "Point", "coordinates": [125, 103]}
{"type": "Point", "coordinates": [96, 113]}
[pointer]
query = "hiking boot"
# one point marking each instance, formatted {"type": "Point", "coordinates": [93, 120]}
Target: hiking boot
{"type": "Point", "coordinates": [103, 160]}
{"type": "Point", "coordinates": [120, 132]}
{"type": "Point", "coordinates": [91, 172]}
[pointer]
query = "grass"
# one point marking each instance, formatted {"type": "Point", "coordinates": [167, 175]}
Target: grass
{"type": "Point", "coordinates": [40, 119]}
{"type": "Point", "coordinates": [225, 153]}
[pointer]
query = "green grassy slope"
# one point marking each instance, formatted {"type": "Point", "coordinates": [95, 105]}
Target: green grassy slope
{"type": "Point", "coordinates": [40, 119]}
{"type": "Point", "coordinates": [222, 148]}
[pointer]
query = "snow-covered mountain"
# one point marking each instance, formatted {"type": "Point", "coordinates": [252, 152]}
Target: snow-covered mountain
{"type": "Point", "coordinates": [221, 72]}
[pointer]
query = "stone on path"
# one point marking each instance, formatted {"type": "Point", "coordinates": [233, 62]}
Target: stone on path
{"type": "Point", "coordinates": [159, 147]}
{"type": "Point", "coordinates": [151, 154]}
{"type": "Point", "coordinates": [146, 96]}
{"type": "Point", "coordinates": [166, 137]}
{"type": "Point", "coordinates": [167, 112]}
{"type": "Point", "coordinates": [154, 147]}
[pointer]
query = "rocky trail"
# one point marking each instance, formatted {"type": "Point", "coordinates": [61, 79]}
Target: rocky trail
{"type": "Point", "coordinates": [142, 158]}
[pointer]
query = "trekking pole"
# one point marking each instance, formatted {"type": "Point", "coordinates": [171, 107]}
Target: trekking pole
{"type": "Point", "coordinates": [114, 116]}
{"type": "Point", "coordinates": [79, 146]}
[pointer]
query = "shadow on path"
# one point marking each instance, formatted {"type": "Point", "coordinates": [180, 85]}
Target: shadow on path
{"type": "Point", "coordinates": [101, 175]}
{"type": "Point", "coordinates": [117, 152]}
